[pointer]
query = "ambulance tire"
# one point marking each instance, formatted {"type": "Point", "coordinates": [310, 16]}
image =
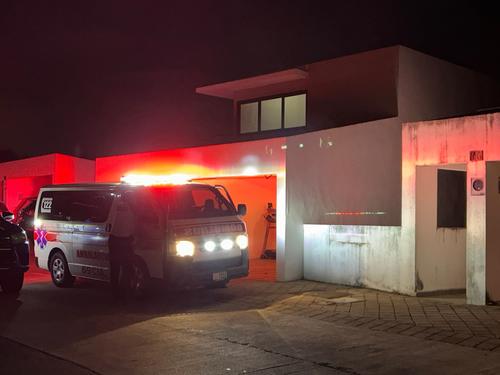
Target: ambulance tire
{"type": "Point", "coordinates": [139, 283]}
{"type": "Point", "coordinates": [59, 271]}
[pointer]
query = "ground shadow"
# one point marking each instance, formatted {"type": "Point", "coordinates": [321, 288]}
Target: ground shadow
{"type": "Point", "coordinates": [54, 317]}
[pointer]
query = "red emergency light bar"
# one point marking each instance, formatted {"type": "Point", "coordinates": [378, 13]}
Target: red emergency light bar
{"type": "Point", "coordinates": [150, 180]}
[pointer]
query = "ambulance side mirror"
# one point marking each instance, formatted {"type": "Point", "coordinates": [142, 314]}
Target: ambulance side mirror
{"type": "Point", "coordinates": [242, 209]}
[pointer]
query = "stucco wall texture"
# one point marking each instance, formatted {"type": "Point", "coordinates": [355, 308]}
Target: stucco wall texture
{"type": "Point", "coordinates": [450, 142]}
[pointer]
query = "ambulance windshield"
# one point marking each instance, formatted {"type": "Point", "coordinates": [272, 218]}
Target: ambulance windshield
{"type": "Point", "coordinates": [197, 201]}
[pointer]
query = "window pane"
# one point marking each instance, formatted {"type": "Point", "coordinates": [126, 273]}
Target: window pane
{"type": "Point", "coordinates": [249, 117]}
{"type": "Point", "coordinates": [452, 199]}
{"type": "Point", "coordinates": [295, 111]}
{"type": "Point", "coordinates": [85, 206]}
{"type": "Point", "coordinates": [270, 116]}
{"type": "Point", "coordinates": [54, 205]}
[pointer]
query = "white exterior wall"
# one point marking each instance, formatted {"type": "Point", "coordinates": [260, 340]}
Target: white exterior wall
{"type": "Point", "coordinates": [363, 171]}
{"type": "Point", "coordinates": [450, 142]}
{"type": "Point", "coordinates": [356, 255]}
{"type": "Point", "coordinates": [36, 166]}
{"type": "Point", "coordinates": [340, 177]}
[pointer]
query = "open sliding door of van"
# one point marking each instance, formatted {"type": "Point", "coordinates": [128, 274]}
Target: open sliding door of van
{"type": "Point", "coordinates": [90, 216]}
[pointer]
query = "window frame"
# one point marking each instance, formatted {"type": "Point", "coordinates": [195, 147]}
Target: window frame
{"type": "Point", "coordinates": [259, 101]}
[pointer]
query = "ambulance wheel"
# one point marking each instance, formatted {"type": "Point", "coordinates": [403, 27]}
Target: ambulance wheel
{"type": "Point", "coordinates": [139, 281]}
{"type": "Point", "coordinates": [12, 283]}
{"type": "Point", "coordinates": [59, 271]}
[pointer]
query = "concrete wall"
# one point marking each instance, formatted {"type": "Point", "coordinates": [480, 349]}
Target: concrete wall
{"type": "Point", "coordinates": [362, 172]}
{"type": "Point", "coordinates": [233, 159]}
{"type": "Point", "coordinates": [450, 142]}
{"type": "Point", "coordinates": [353, 178]}
{"type": "Point", "coordinates": [440, 252]}
{"type": "Point", "coordinates": [356, 255]}
{"type": "Point", "coordinates": [430, 88]}
{"type": "Point", "coordinates": [353, 89]}
{"type": "Point", "coordinates": [69, 169]}
{"type": "Point", "coordinates": [344, 90]}
{"type": "Point", "coordinates": [349, 175]}
{"type": "Point", "coordinates": [16, 189]}
{"type": "Point", "coordinates": [25, 177]}
{"type": "Point", "coordinates": [37, 166]}
{"type": "Point", "coordinates": [493, 230]}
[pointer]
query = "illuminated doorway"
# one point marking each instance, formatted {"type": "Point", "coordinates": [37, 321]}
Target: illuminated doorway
{"type": "Point", "coordinates": [259, 194]}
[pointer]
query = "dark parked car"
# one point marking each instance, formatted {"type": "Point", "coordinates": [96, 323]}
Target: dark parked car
{"type": "Point", "coordinates": [14, 256]}
{"type": "Point", "coordinates": [24, 215]}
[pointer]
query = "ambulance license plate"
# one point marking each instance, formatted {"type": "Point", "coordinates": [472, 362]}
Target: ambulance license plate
{"type": "Point", "coordinates": [219, 276]}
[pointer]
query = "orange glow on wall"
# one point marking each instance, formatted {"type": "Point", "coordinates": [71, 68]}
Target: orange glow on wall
{"type": "Point", "coordinates": [234, 159]}
{"type": "Point", "coordinates": [256, 192]}
{"type": "Point", "coordinates": [250, 171]}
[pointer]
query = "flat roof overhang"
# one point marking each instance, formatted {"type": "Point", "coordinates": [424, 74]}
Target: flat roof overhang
{"type": "Point", "coordinates": [230, 89]}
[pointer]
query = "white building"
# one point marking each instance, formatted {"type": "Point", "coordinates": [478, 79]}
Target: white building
{"type": "Point", "coordinates": [335, 147]}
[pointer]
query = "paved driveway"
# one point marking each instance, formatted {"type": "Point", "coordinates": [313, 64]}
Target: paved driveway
{"type": "Point", "coordinates": [250, 327]}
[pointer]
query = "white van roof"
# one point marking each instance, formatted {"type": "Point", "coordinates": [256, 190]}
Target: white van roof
{"type": "Point", "coordinates": [104, 186]}
{"type": "Point", "coordinates": [82, 186]}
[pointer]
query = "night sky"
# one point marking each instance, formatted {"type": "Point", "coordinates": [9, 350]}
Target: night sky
{"type": "Point", "coordinates": [92, 78]}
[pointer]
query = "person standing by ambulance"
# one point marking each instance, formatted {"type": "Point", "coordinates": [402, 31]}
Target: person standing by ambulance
{"type": "Point", "coordinates": [121, 240]}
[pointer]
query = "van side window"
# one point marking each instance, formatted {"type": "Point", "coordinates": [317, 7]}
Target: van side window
{"type": "Point", "coordinates": [54, 205]}
{"type": "Point", "coordinates": [90, 206]}
{"type": "Point", "coordinates": [81, 206]}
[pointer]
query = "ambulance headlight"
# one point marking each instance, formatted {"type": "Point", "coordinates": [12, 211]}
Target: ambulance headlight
{"type": "Point", "coordinates": [184, 248]}
{"type": "Point", "coordinates": [242, 241]}
{"type": "Point", "coordinates": [209, 246]}
{"type": "Point", "coordinates": [227, 244]}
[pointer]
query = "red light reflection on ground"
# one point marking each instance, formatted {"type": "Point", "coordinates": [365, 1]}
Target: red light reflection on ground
{"type": "Point", "coordinates": [262, 269]}
{"type": "Point", "coordinates": [36, 275]}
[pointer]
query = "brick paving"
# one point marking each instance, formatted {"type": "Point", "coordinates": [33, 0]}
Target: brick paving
{"type": "Point", "coordinates": [447, 319]}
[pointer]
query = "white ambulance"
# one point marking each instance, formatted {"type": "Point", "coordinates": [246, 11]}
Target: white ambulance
{"type": "Point", "coordinates": [186, 234]}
